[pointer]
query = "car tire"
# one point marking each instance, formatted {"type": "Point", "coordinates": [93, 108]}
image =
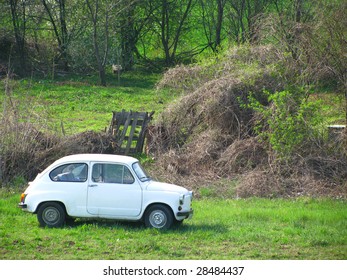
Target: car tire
{"type": "Point", "coordinates": [51, 214]}
{"type": "Point", "coordinates": [159, 216]}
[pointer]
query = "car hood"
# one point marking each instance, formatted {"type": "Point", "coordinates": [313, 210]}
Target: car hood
{"type": "Point", "coordinates": [158, 186]}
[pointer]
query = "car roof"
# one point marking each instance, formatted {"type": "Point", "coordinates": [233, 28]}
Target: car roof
{"type": "Point", "coordinates": [96, 157]}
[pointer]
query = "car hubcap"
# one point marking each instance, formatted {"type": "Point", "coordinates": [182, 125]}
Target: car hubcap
{"type": "Point", "coordinates": [51, 215]}
{"type": "Point", "coordinates": [158, 219]}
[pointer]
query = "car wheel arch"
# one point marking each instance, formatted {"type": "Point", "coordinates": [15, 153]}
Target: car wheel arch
{"type": "Point", "coordinates": [56, 201]}
{"type": "Point", "coordinates": [155, 204]}
{"type": "Point", "coordinates": [153, 207]}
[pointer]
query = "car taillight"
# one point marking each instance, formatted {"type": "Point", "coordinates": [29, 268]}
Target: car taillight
{"type": "Point", "coordinates": [22, 197]}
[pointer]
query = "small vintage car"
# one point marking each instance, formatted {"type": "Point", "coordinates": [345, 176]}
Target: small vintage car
{"type": "Point", "coordinates": [104, 186]}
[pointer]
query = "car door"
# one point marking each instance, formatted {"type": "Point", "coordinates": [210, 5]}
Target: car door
{"type": "Point", "coordinates": [68, 184]}
{"type": "Point", "coordinates": [113, 191]}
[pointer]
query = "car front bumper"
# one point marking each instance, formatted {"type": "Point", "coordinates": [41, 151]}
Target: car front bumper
{"type": "Point", "coordinates": [186, 214]}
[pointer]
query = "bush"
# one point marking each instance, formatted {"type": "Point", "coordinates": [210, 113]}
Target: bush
{"type": "Point", "coordinates": [287, 123]}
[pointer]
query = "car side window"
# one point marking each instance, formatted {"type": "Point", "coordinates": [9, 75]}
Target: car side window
{"type": "Point", "coordinates": [72, 172]}
{"type": "Point", "coordinates": [112, 173]}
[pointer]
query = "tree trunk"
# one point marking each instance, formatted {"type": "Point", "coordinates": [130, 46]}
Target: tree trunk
{"type": "Point", "coordinates": [100, 62]}
{"type": "Point", "coordinates": [19, 26]}
{"type": "Point", "coordinates": [128, 38]}
{"type": "Point", "coordinates": [220, 11]}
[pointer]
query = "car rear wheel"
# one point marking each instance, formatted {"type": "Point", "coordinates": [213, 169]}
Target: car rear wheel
{"type": "Point", "coordinates": [159, 216]}
{"type": "Point", "coordinates": [51, 214]}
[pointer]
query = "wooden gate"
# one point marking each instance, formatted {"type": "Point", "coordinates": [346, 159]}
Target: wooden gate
{"type": "Point", "coordinates": [129, 131]}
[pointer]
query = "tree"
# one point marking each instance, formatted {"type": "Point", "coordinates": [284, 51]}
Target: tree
{"type": "Point", "coordinates": [128, 36]}
{"type": "Point", "coordinates": [212, 22]}
{"type": "Point", "coordinates": [168, 23]}
{"type": "Point", "coordinates": [291, 17]}
{"type": "Point", "coordinates": [243, 16]}
{"type": "Point", "coordinates": [170, 34]}
{"type": "Point", "coordinates": [95, 14]}
{"type": "Point", "coordinates": [60, 13]}
{"type": "Point", "coordinates": [19, 19]}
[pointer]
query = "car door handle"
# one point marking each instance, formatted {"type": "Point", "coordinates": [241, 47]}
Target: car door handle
{"type": "Point", "coordinates": [92, 185]}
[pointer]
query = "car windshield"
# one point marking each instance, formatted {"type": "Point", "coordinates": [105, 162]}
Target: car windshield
{"type": "Point", "coordinates": [140, 172]}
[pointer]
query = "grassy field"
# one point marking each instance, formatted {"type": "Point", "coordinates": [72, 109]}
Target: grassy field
{"type": "Point", "coordinates": [79, 104]}
{"type": "Point", "coordinates": [221, 229]}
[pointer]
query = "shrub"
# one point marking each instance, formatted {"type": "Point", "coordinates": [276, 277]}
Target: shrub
{"type": "Point", "coordinates": [287, 122]}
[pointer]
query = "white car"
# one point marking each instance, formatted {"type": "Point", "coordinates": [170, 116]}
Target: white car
{"type": "Point", "coordinates": [104, 186]}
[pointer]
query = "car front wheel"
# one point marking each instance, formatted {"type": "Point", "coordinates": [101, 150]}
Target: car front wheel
{"type": "Point", "coordinates": [159, 216]}
{"type": "Point", "coordinates": [51, 214]}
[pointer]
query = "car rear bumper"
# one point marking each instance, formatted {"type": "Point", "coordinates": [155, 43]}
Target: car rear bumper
{"type": "Point", "coordinates": [22, 205]}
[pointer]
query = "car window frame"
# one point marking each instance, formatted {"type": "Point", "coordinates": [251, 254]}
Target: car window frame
{"type": "Point", "coordinates": [140, 172]}
{"type": "Point", "coordinates": [63, 168]}
{"type": "Point", "coordinates": [102, 173]}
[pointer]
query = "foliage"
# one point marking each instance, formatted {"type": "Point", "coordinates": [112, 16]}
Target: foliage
{"type": "Point", "coordinates": [288, 123]}
{"type": "Point", "coordinates": [312, 35]}
{"type": "Point", "coordinates": [329, 43]}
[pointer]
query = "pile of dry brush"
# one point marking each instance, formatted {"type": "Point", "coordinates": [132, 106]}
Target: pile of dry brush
{"type": "Point", "coordinates": [208, 134]}
{"type": "Point", "coordinates": [25, 151]}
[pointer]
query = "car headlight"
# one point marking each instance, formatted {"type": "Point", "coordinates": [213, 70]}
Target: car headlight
{"type": "Point", "coordinates": [181, 200]}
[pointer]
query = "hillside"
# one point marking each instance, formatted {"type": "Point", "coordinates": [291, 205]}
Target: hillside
{"type": "Point", "coordinates": [248, 125]}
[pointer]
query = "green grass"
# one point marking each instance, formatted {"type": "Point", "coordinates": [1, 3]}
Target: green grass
{"type": "Point", "coordinates": [80, 104]}
{"type": "Point", "coordinates": [333, 107]}
{"type": "Point", "coordinates": [221, 229]}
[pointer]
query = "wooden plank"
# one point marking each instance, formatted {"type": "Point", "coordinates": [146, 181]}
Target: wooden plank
{"type": "Point", "coordinates": [118, 119]}
{"type": "Point", "coordinates": [141, 141]}
{"type": "Point", "coordinates": [126, 124]}
{"type": "Point", "coordinates": [131, 135]}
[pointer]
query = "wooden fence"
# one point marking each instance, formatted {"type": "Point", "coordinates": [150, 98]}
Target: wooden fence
{"type": "Point", "coordinates": [129, 131]}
